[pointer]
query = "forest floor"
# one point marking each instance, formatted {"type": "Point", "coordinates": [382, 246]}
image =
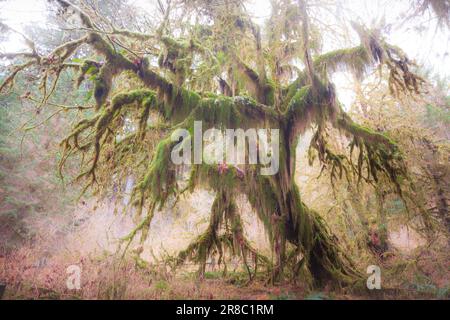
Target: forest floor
{"type": "Point", "coordinates": [38, 269]}
{"type": "Point", "coordinates": [29, 275]}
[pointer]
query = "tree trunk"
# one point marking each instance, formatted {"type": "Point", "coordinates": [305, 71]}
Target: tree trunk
{"type": "Point", "coordinates": [305, 229]}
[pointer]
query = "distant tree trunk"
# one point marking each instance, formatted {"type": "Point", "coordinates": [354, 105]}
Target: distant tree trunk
{"type": "Point", "coordinates": [439, 175]}
{"type": "Point", "coordinates": [380, 237]}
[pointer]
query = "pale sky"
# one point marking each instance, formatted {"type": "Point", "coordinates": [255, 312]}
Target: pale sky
{"type": "Point", "coordinates": [430, 48]}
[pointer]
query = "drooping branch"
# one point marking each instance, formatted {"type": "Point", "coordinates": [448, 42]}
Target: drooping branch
{"type": "Point", "coordinates": [97, 128]}
{"type": "Point", "coordinates": [378, 153]}
{"type": "Point", "coordinates": [356, 60]}
{"type": "Point", "coordinates": [373, 52]}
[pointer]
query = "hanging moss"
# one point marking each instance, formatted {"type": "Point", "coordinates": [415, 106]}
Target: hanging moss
{"type": "Point", "coordinates": [289, 91]}
{"type": "Point", "coordinates": [369, 136]}
{"type": "Point", "coordinates": [160, 180]}
{"type": "Point", "coordinates": [229, 240]}
{"type": "Point", "coordinates": [102, 85]}
{"type": "Point", "coordinates": [269, 93]}
{"type": "Point", "coordinates": [177, 57]}
{"type": "Point", "coordinates": [182, 102]}
{"type": "Point", "coordinates": [88, 67]}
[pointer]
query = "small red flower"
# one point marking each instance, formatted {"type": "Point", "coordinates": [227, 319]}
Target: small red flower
{"type": "Point", "coordinates": [375, 239]}
{"type": "Point", "coordinates": [138, 62]}
{"type": "Point", "coordinates": [240, 173]}
{"type": "Point", "coordinates": [223, 168]}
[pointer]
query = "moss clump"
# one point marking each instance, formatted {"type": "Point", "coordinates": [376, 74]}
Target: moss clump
{"type": "Point", "coordinates": [269, 93]}
{"type": "Point", "coordinates": [102, 85]}
{"type": "Point", "coordinates": [159, 182]}
{"type": "Point", "coordinates": [356, 60]}
{"type": "Point", "coordinates": [88, 67]}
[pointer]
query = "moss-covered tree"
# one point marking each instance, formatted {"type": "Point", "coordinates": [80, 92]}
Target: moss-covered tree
{"type": "Point", "coordinates": [216, 66]}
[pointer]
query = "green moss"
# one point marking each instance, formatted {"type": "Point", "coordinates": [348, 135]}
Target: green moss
{"type": "Point", "coordinates": [100, 91]}
{"type": "Point", "coordinates": [269, 93]}
{"type": "Point", "coordinates": [219, 111]}
{"type": "Point", "coordinates": [182, 102]}
{"type": "Point", "coordinates": [355, 60]}
{"type": "Point", "coordinates": [369, 136]}
{"type": "Point", "coordinates": [140, 96]}
{"type": "Point", "coordinates": [159, 182]}
{"type": "Point", "coordinates": [299, 102]}
{"type": "Point", "coordinates": [88, 67]}
{"type": "Point", "coordinates": [291, 90]}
